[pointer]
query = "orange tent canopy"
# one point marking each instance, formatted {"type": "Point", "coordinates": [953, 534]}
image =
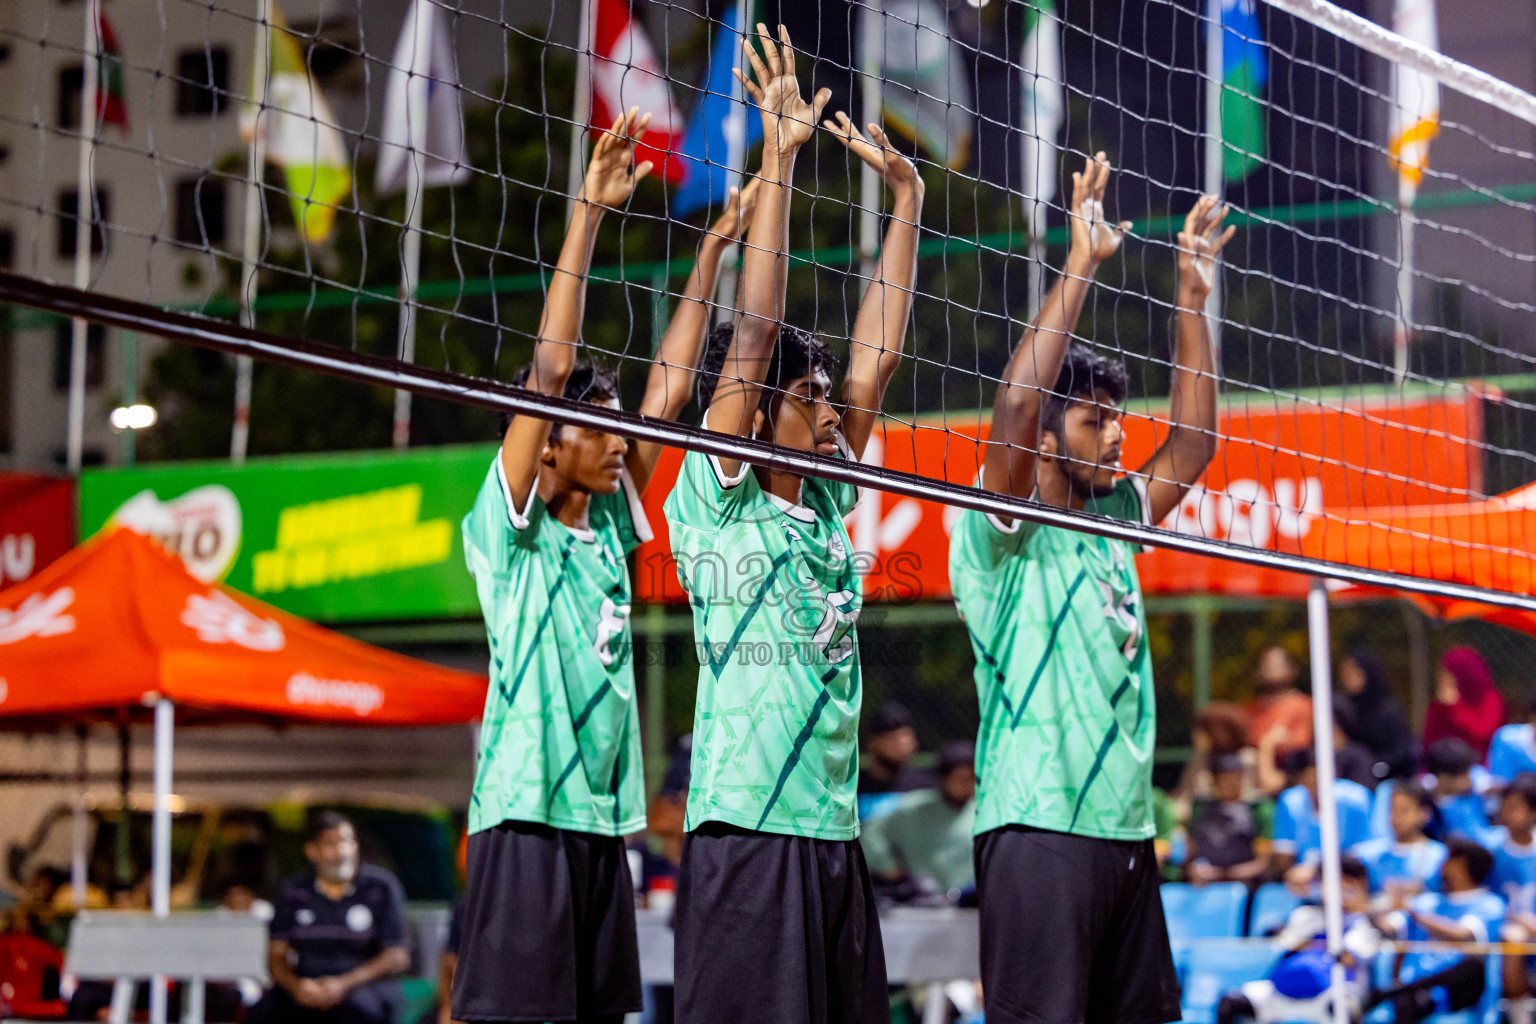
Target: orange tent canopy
{"type": "Point", "coordinates": [119, 623]}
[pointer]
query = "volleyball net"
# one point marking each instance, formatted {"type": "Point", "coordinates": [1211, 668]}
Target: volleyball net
{"type": "Point", "coordinates": [379, 192]}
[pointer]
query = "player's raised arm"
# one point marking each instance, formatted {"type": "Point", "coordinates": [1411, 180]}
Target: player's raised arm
{"type": "Point", "coordinates": [880, 330]}
{"type": "Point", "coordinates": [788, 121]}
{"type": "Point", "coordinates": [677, 357]}
{"type": "Point", "coordinates": [1035, 364]}
{"type": "Point", "coordinates": [1191, 443]}
{"type": "Point", "coordinates": [611, 178]}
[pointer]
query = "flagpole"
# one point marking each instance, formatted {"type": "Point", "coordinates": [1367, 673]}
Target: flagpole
{"type": "Point", "coordinates": [85, 219]}
{"type": "Point", "coordinates": [1037, 145]}
{"type": "Point", "coordinates": [735, 161]}
{"type": "Point", "coordinates": [1214, 176]}
{"type": "Point", "coordinates": [250, 242]}
{"type": "Point", "coordinates": [417, 96]}
{"type": "Point", "coordinates": [872, 99]}
{"type": "Point", "coordinates": [581, 110]}
{"type": "Point", "coordinates": [1403, 336]}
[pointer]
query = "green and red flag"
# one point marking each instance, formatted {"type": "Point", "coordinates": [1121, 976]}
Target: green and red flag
{"type": "Point", "coordinates": [111, 96]}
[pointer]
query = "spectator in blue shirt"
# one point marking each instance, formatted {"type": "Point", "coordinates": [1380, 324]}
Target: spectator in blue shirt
{"type": "Point", "coordinates": [1460, 807]}
{"type": "Point", "coordinates": [1463, 911]}
{"type": "Point", "coordinates": [1297, 845]}
{"type": "Point", "coordinates": [1409, 863]}
{"type": "Point", "coordinates": [1514, 846]}
{"type": "Point", "coordinates": [1513, 749]}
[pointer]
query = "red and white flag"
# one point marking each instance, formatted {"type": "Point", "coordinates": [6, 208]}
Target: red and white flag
{"type": "Point", "coordinates": [626, 73]}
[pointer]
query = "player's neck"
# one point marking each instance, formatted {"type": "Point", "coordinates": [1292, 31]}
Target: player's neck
{"type": "Point", "coordinates": [1521, 838]}
{"type": "Point", "coordinates": [567, 504]}
{"type": "Point", "coordinates": [1054, 488]}
{"type": "Point", "coordinates": [784, 486]}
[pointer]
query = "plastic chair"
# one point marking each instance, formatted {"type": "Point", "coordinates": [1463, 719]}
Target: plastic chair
{"type": "Point", "coordinates": [1270, 908]}
{"type": "Point", "coordinates": [1209, 912]}
{"type": "Point", "coordinates": [1214, 970]}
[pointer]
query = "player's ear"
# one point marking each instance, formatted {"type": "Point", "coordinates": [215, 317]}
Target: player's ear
{"type": "Point", "coordinates": [1049, 446]}
{"type": "Point", "coordinates": [759, 420]}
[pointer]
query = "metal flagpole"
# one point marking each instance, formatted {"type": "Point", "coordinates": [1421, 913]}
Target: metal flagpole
{"type": "Point", "coordinates": [1214, 176]}
{"type": "Point", "coordinates": [735, 162]}
{"type": "Point", "coordinates": [85, 219]}
{"type": "Point", "coordinates": [250, 243]}
{"type": "Point", "coordinates": [1406, 221]}
{"type": "Point", "coordinates": [417, 96]}
{"type": "Point", "coordinates": [581, 111]}
{"type": "Point", "coordinates": [871, 191]}
{"type": "Point", "coordinates": [1327, 804]}
{"type": "Point", "coordinates": [160, 855]}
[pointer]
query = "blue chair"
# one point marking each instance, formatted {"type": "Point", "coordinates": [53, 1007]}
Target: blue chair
{"type": "Point", "coordinates": [1209, 912]}
{"type": "Point", "coordinates": [1214, 970]}
{"type": "Point", "coordinates": [1271, 907]}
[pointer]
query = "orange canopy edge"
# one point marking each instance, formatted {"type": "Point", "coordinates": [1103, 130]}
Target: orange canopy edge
{"type": "Point", "coordinates": [118, 623]}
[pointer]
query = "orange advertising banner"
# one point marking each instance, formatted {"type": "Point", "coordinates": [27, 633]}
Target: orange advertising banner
{"type": "Point", "coordinates": [1281, 464]}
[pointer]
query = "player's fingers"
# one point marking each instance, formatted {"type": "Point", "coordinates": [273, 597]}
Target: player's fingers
{"type": "Point", "coordinates": [639, 127]}
{"type": "Point", "coordinates": [820, 101]}
{"type": "Point", "coordinates": [1226, 236]}
{"type": "Point", "coordinates": [788, 52]}
{"type": "Point", "coordinates": [755, 59]}
{"type": "Point", "coordinates": [749, 86]}
{"type": "Point", "coordinates": [1100, 174]}
{"type": "Point", "coordinates": [770, 50]}
{"type": "Point", "coordinates": [1192, 218]}
{"type": "Point", "coordinates": [643, 170]}
{"type": "Point", "coordinates": [1123, 228]}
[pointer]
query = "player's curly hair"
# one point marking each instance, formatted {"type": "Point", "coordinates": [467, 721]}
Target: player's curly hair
{"type": "Point", "coordinates": [1083, 374]}
{"type": "Point", "coordinates": [796, 354]}
{"type": "Point", "coordinates": [588, 382]}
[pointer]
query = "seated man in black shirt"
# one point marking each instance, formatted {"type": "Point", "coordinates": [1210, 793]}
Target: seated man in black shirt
{"type": "Point", "coordinates": [337, 937]}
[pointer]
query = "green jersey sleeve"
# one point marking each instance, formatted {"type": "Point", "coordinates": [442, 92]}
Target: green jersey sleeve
{"type": "Point", "coordinates": [495, 533]}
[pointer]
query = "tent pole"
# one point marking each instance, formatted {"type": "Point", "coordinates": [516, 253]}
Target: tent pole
{"type": "Point", "coordinates": [1327, 805]}
{"type": "Point", "coordinates": [165, 720]}
{"type": "Point", "coordinates": [77, 863]}
{"type": "Point", "coordinates": [122, 867]}
{"type": "Point", "coordinates": [1418, 661]}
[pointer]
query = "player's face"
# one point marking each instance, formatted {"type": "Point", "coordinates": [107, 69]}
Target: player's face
{"type": "Point", "coordinates": [589, 460]}
{"type": "Point", "coordinates": [1408, 816]}
{"type": "Point", "coordinates": [334, 854]}
{"type": "Point", "coordinates": [803, 416]}
{"type": "Point", "coordinates": [1089, 448]}
{"type": "Point", "coordinates": [1516, 814]}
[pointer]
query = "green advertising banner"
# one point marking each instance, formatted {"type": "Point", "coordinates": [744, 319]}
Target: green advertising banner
{"type": "Point", "coordinates": [334, 538]}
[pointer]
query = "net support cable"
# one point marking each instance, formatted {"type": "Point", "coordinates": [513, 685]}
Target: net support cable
{"type": "Point", "coordinates": [233, 340]}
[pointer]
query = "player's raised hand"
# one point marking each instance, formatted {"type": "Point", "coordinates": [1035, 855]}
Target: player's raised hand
{"type": "Point", "coordinates": [788, 120]}
{"type": "Point", "coordinates": [739, 207]}
{"type": "Point", "coordinates": [1200, 243]}
{"type": "Point", "coordinates": [1094, 238]}
{"type": "Point", "coordinates": [876, 150]}
{"type": "Point", "coordinates": [611, 173]}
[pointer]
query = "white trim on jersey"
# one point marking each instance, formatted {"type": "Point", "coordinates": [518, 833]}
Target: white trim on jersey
{"type": "Point", "coordinates": [519, 519]}
{"type": "Point", "coordinates": [790, 509]}
{"type": "Point", "coordinates": [636, 508]}
{"type": "Point", "coordinates": [1140, 487]}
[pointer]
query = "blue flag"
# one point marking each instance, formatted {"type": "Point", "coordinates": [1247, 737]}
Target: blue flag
{"type": "Point", "coordinates": [706, 142]}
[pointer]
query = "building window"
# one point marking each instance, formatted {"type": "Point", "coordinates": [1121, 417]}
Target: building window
{"type": "Point", "coordinates": [95, 354]}
{"type": "Point", "coordinates": [71, 85]}
{"type": "Point", "coordinates": [7, 248]}
{"type": "Point", "coordinates": [203, 80]}
{"type": "Point", "coordinates": [69, 203]}
{"type": "Point", "coordinates": [200, 210]}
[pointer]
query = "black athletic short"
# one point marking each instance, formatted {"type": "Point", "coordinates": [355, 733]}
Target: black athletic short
{"type": "Point", "coordinates": [548, 927]}
{"type": "Point", "coordinates": [1072, 930]}
{"type": "Point", "coordinates": [776, 929]}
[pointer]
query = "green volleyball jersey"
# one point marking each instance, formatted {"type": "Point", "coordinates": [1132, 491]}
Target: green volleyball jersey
{"type": "Point", "coordinates": [1064, 678]}
{"type": "Point", "coordinates": [775, 597]}
{"type": "Point", "coordinates": [560, 738]}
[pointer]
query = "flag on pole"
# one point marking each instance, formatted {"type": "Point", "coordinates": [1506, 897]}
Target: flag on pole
{"type": "Point", "coordinates": [423, 52]}
{"type": "Point", "coordinates": [926, 93]}
{"type": "Point", "coordinates": [707, 143]}
{"type": "Point", "coordinates": [301, 133]}
{"type": "Point", "coordinates": [1415, 99]}
{"type": "Point", "coordinates": [626, 73]}
{"type": "Point", "coordinates": [1044, 103]}
{"type": "Point", "coordinates": [111, 94]}
{"type": "Point", "coordinates": [1244, 73]}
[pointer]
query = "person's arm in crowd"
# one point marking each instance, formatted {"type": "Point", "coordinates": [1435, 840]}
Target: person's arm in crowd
{"type": "Point", "coordinates": [1447, 929]}
{"type": "Point", "coordinates": [1248, 870]}
{"type": "Point", "coordinates": [670, 383]}
{"type": "Point", "coordinates": [445, 968]}
{"type": "Point", "coordinates": [1271, 779]}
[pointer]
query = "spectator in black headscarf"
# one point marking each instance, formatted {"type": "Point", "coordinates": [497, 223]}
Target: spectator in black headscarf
{"type": "Point", "coordinates": [1377, 722]}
